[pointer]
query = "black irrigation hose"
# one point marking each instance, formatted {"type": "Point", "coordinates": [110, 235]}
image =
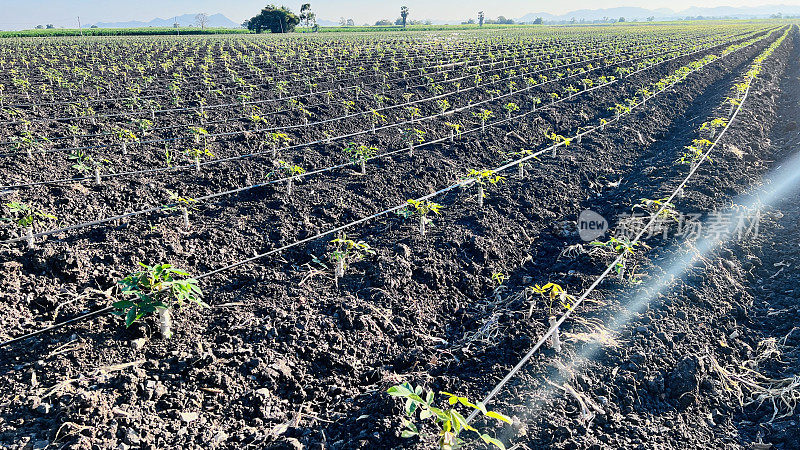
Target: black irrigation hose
{"type": "Point", "coordinates": [611, 266]}
{"type": "Point", "coordinates": [76, 319]}
{"type": "Point", "coordinates": [88, 315]}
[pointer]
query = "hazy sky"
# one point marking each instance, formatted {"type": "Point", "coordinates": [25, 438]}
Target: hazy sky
{"type": "Point", "coordinates": [17, 14]}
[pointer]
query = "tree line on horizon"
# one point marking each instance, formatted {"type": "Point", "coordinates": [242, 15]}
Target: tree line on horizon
{"type": "Point", "coordinates": [281, 19]}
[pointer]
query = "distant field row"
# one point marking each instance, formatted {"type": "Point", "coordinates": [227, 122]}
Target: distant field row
{"type": "Point", "coordinates": [149, 31]}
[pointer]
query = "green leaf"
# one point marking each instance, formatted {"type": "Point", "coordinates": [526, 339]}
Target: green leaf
{"type": "Point", "coordinates": [464, 401]}
{"type": "Point", "coordinates": [410, 406]}
{"type": "Point", "coordinates": [416, 398]}
{"type": "Point", "coordinates": [410, 425]}
{"type": "Point", "coordinates": [122, 304]}
{"type": "Point", "coordinates": [498, 416]}
{"type": "Point", "coordinates": [439, 413]}
{"type": "Point", "coordinates": [490, 440]}
{"type": "Point", "coordinates": [462, 421]}
{"type": "Point", "coordinates": [447, 426]}
{"type": "Point", "coordinates": [130, 317]}
{"type": "Point", "coordinates": [408, 434]}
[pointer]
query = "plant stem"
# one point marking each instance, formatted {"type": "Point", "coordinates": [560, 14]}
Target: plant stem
{"type": "Point", "coordinates": [555, 339]}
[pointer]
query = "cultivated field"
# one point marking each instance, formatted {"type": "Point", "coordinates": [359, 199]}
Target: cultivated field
{"type": "Point", "coordinates": [358, 224]}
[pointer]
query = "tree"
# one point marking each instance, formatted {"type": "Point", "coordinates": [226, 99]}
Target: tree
{"type": "Point", "coordinates": [538, 21]}
{"type": "Point", "coordinates": [50, 26]}
{"type": "Point", "coordinates": [651, 18]}
{"type": "Point", "coordinates": [39, 27]}
{"type": "Point", "coordinates": [480, 18]}
{"type": "Point", "coordinates": [351, 23]}
{"type": "Point", "coordinates": [404, 14]}
{"type": "Point", "coordinates": [201, 20]}
{"type": "Point", "coordinates": [306, 16]}
{"type": "Point", "coordinates": [621, 19]}
{"type": "Point", "coordinates": [383, 23]}
{"type": "Point", "coordinates": [277, 20]}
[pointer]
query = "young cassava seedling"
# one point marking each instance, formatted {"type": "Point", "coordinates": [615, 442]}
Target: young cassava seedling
{"type": "Point", "coordinates": [693, 154]}
{"type": "Point", "coordinates": [293, 173]}
{"type": "Point", "coordinates": [421, 208]}
{"type": "Point", "coordinates": [654, 206]}
{"type": "Point", "coordinates": [157, 289]}
{"type": "Point", "coordinates": [183, 204]}
{"type": "Point", "coordinates": [552, 292]}
{"type": "Point", "coordinates": [277, 139]}
{"type": "Point", "coordinates": [455, 130]}
{"type": "Point", "coordinates": [712, 126]}
{"type": "Point", "coordinates": [482, 178]}
{"type": "Point", "coordinates": [375, 118]}
{"type": "Point", "coordinates": [359, 154]}
{"type": "Point", "coordinates": [499, 279]}
{"type": "Point", "coordinates": [27, 141]}
{"type": "Point", "coordinates": [519, 155]}
{"type": "Point", "coordinates": [346, 251]}
{"type": "Point", "coordinates": [624, 247]}
{"type": "Point", "coordinates": [413, 136]}
{"type": "Point", "coordinates": [557, 140]}
{"type": "Point", "coordinates": [25, 217]}
{"type": "Point", "coordinates": [199, 135]}
{"type": "Point", "coordinates": [83, 161]}
{"type": "Point", "coordinates": [443, 105]}
{"type": "Point", "coordinates": [449, 422]}
{"type": "Point", "coordinates": [197, 154]}
{"type": "Point", "coordinates": [510, 108]}
{"type": "Point", "coordinates": [483, 115]}
{"type": "Point", "coordinates": [124, 136]}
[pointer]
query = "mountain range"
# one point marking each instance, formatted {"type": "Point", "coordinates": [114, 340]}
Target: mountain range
{"type": "Point", "coordinates": [630, 13]}
{"type": "Point", "coordinates": [186, 20]}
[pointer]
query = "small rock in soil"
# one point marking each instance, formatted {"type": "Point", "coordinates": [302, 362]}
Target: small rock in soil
{"type": "Point", "coordinates": [44, 408]}
{"type": "Point", "coordinates": [189, 416]}
{"type": "Point", "coordinates": [138, 344]}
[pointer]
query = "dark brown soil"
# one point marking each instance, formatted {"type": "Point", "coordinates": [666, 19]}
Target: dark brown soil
{"type": "Point", "coordinates": [284, 359]}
